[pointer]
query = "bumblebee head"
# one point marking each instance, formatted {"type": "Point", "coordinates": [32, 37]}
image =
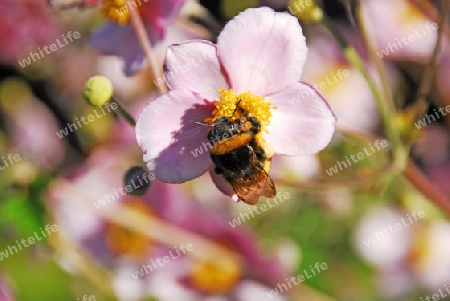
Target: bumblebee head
{"type": "Point", "coordinates": [223, 128]}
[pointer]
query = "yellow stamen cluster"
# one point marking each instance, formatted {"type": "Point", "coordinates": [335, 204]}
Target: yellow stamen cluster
{"type": "Point", "coordinates": [216, 277]}
{"type": "Point", "coordinates": [123, 241]}
{"type": "Point", "coordinates": [116, 11]}
{"type": "Point", "coordinates": [254, 105]}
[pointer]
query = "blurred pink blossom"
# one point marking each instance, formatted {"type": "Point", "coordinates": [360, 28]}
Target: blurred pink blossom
{"type": "Point", "coordinates": [401, 30]}
{"type": "Point", "coordinates": [121, 40]}
{"type": "Point", "coordinates": [24, 26]}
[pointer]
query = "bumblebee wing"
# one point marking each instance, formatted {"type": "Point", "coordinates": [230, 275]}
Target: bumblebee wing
{"type": "Point", "coordinates": [251, 189]}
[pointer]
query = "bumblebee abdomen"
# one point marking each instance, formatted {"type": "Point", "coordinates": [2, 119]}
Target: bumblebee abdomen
{"type": "Point", "coordinates": [236, 161]}
{"type": "Point", "coordinates": [229, 144]}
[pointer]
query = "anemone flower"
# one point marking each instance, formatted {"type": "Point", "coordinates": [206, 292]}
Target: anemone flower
{"type": "Point", "coordinates": [127, 252]}
{"type": "Point", "coordinates": [255, 66]}
{"type": "Point", "coordinates": [402, 31]}
{"type": "Point", "coordinates": [193, 278]}
{"type": "Point", "coordinates": [118, 37]}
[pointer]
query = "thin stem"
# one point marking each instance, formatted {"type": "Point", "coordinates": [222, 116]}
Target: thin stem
{"type": "Point", "coordinates": [430, 11]}
{"type": "Point", "coordinates": [426, 81]}
{"type": "Point", "coordinates": [83, 262]}
{"type": "Point", "coordinates": [387, 110]}
{"type": "Point", "coordinates": [423, 184]}
{"type": "Point", "coordinates": [352, 183]}
{"type": "Point", "coordinates": [411, 172]}
{"type": "Point", "coordinates": [370, 42]}
{"type": "Point", "coordinates": [399, 151]}
{"type": "Point", "coordinates": [124, 113]}
{"type": "Point", "coordinates": [141, 33]}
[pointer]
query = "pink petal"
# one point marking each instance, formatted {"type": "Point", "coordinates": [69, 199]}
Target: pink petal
{"type": "Point", "coordinates": [157, 15]}
{"type": "Point", "coordinates": [115, 39]}
{"type": "Point", "coordinates": [221, 184]}
{"type": "Point", "coordinates": [162, 9]}
{"type": "Point", "coordinates": [262, 51]}
{"type": "Point", "coordinates": [303, 124]}
{"type": "Point", "coordinates": [194, 65]}
{"type": "Point", "coordinates": [175, 148]}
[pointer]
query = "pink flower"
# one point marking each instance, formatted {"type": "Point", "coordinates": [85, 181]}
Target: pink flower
{"type": "Point", "coordinates": [402, 31]}
{"type": "Point", "coordinates": [256, 65]}
{"type": "Point", "coordinates": [36, 27]}
{"type": "Point", "coordinates": [118, 37]}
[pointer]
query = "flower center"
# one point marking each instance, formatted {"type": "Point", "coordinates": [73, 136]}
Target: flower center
{"type": "Point", "coordinates": [216, 277]}
{"type": "Point", "coordinates": [254, 105]}
{"type": "Point", "coordinates": [118, 11]}
{"type": "Point", "coordinates": [123, 241]}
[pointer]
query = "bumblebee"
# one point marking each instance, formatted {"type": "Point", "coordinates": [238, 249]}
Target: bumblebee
{"type": "Point", "coordinates": [239, 158]}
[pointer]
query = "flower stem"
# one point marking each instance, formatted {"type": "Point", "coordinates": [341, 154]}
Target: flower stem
{"type": "Point", "coordinates": [141, 33]}
{"type": "Point", "coordinates": [387, 109]}
{"type": "Point", "coordinates": [84, 263]}
{"type": "Point", "coordinates": [431, 12]}
{"type": "Point", "coordinates": [323, 184]}
{"type": "Point", "coordinates": [124, 113]}
{"type": "Point", "coordinates": [423, 184]}
{"type": "Point", "coordinates": [426, 81]}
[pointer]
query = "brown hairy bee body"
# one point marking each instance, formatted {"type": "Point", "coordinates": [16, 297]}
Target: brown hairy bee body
{"type": "Point", "coordinates": [239, 158]}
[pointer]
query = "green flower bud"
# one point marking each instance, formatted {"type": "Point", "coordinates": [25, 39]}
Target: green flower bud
{"type": "Point", "coordinates": [98, 91]}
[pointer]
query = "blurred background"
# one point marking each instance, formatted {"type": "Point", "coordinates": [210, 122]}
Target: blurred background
{"type": "Point", "coordinates": [379, 226]}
